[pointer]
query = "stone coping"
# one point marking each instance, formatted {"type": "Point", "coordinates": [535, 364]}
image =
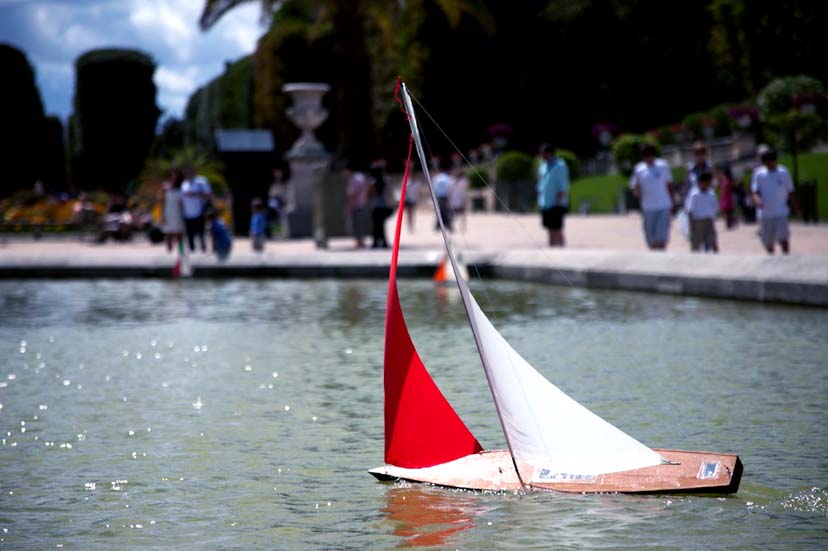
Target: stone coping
{"type": "Point", "coordinates": [775, 279]}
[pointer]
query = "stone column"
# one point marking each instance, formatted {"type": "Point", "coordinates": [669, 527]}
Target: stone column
{"type": "Point", "coordinates": [309, 163]}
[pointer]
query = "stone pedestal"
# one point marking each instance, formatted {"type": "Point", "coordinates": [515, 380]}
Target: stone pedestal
{"type": "Point", "coordinates": [309, 163]}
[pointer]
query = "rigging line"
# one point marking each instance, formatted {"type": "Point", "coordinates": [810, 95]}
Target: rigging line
{"type": "Point", "coordinates": [466, 247]}
{"type": "Point", "coordinates": [477, 271]}
{"type": "Point", "coordinates": [532, 242]}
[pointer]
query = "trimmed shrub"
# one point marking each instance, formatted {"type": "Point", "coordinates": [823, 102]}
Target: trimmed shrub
{"type": "Point", "coordinates": [515, 185]}
{"type": "Point", "coordinates": [780, 95]}
{"type": "Point", "coordinates": [23, 123]}
{"type": "Point", "coordinates": [627, 150]}
{"type": "Point", "coordinates": [723, 122]}
{"type": "Point", "coordinates": [796, 112]}
{"type": "Point", "coordinates": [514, 166]}
{"type": "Point", "coordinates": [572, 162]}
{"type": "Point", "coordinates": [116, 114]}
{"type": "Point", "coordinates": [479, 177]}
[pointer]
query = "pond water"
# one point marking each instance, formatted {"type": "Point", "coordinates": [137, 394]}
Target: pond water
{"type": "Point", "coordinates": [245, 414]}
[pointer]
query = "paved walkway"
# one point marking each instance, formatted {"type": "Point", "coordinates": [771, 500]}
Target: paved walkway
{"type": "Point", "coordinates": [602, 251]}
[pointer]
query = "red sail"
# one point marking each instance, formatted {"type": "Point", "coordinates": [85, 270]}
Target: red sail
{"type": "Point", "coordinates": [421, 427]}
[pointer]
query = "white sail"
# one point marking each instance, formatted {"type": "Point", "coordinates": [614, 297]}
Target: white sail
{"type": "Point", "coordinates": [552, 438]}
{"type": "Point", "coordinates": [550, 433]}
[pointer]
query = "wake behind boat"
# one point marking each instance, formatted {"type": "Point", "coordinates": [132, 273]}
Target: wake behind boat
{"type": "Point", "coordinates": [554, 443]}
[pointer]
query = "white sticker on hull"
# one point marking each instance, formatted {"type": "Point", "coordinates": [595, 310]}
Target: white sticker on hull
{"type": "Point", "coordinates": [548, 475]}
{"type": "Point", "coordinates": [708, 470]}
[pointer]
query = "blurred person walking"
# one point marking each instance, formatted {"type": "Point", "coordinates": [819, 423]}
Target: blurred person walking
{"type": "Point", "coordinates": [702, 207]}
{"type": "Point", "coordinates": [258, 225]}
{"type": "Point", "coordinates": [222, 240]}
{"type": "Point", "coordinates": [442, 186]}
{"type": "Point", "coordinates": [172, 216]}
{"type": "Point", "coordinates": [356, 191]}
{"type": "Point", "coordinates": [652, 183]}
{"type": "Point", "coordinates": [412, 197]}
{"type": "Point", "coordinates": [459, 196]}
{"type": "Point", "coordinates": [196, 195]}
{"type": "Point", "coordinates": [380, 211]}
{"type": "Point", "coordinates": [727, 197]}
{"type": "Point", "coordinates": [276, 201]}
{"type": "Point", "coordinates": [694, 169]}
{"type": "Point", "coordinates": [772, 190]}
{"type": "Point", "coordinates": [553, 194]}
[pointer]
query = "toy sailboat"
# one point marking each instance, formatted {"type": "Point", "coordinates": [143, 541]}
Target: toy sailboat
{"type": "Point", "coordinates": [182, 267]}
{"type": "Point", "coordinates": [554, 443]}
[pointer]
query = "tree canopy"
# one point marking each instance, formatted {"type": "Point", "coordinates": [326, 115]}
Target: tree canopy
{"type": "Point", "coordinates": [115, 117]}
{"type": "Point", "coordinates": [552, 69]}
{"type": "Point", "coordinates": [24, 124]}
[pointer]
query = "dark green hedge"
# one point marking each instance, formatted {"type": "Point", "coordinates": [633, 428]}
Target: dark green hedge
{"type": "Point", "coordinates": [116, 116]}
{"type": "Point", "coordinates": [23, 123]}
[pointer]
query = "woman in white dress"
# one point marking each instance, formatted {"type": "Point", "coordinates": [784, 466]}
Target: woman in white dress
{"type": "Point", "coordinates": [173, 217]}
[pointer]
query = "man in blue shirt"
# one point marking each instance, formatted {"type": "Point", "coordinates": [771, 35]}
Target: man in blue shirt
{"type": "Point", "coordinates": [553, 194]}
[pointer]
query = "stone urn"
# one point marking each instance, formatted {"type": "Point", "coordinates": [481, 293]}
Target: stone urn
{"type": "Point", "coordinates": [309, 162]}
{"type": "Point", "coordinates": [307, 114]}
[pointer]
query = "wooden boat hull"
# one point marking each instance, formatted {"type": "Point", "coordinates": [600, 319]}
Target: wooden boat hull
{"type": "Point", "coordinates": [486, 470]}
{"type": "Point", "coordinates": [686, 472]}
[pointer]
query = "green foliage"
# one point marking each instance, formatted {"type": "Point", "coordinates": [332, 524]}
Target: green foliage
{"type": "Point", "coordinates": [722, 123]}
{"type": "Point", "coordinates": [157, 169]}
{"type": "Point", "coordinates": [790, 123]}
{"type": "Point", "coordinates": [224, 102]}
{"type": "Point", "coordinates": [813, 167]}
{"type": "Point", "coordinates": [236, 93]}
{"type": "Point", "coordinates": [572, 162]}
{"type": "Point", "coordinates": [115, 113]}
{"type": "Point", "coordinates": [604, 192]}
{"type": "Point", "coordinates": [693, 123]}
{"type": "Point", "coordinates": [170, 139]}
{"type": "Point", "coordinates": [114, 55]}
{"type": "Point", "coordinates": [703, 125]}
{"type": "Point", "coordinates": [366, 44]}
{"type": "Point", "coordinates": [778, 96]}
{"type": "Point", "coordinates": [380, 40]}
{"type": "Point", "coordinates": [627, 150]}
{"type": "Point", "coordinates": [296, 48]}
{"type": "Point", "coordinates": [601, 192]}
{"type": "Point", "coordinates": [664, 135]}
{"type": "Point", "coordinates": [744, 55]}
{"type": "Point", "coordinates": [514, 166]}
{"type": "Point", "coordinates": [479, 177]}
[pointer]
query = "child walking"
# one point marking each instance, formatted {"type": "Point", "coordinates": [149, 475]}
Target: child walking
{"type": "Point", "coordinates": [258, 225]}
{"type": "Point", "coordinates": [702, 207]}
{"type": "Point", "coordinates": [222, 240]}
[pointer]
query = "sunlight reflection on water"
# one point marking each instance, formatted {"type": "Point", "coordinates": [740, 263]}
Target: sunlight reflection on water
{"type": "Point", "coordinates": [243, 413]}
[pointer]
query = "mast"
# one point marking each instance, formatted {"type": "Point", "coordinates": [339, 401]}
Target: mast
{"type": "Point", "coordinates": [461, 283]}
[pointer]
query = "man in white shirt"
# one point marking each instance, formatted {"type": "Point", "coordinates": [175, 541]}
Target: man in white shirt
{"type": "Point", "coordinates": [195, 195]}
{"type": "Point", "coordinates": [772, 189]}
{"type": "Point", "coordinates": [652, 183]}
